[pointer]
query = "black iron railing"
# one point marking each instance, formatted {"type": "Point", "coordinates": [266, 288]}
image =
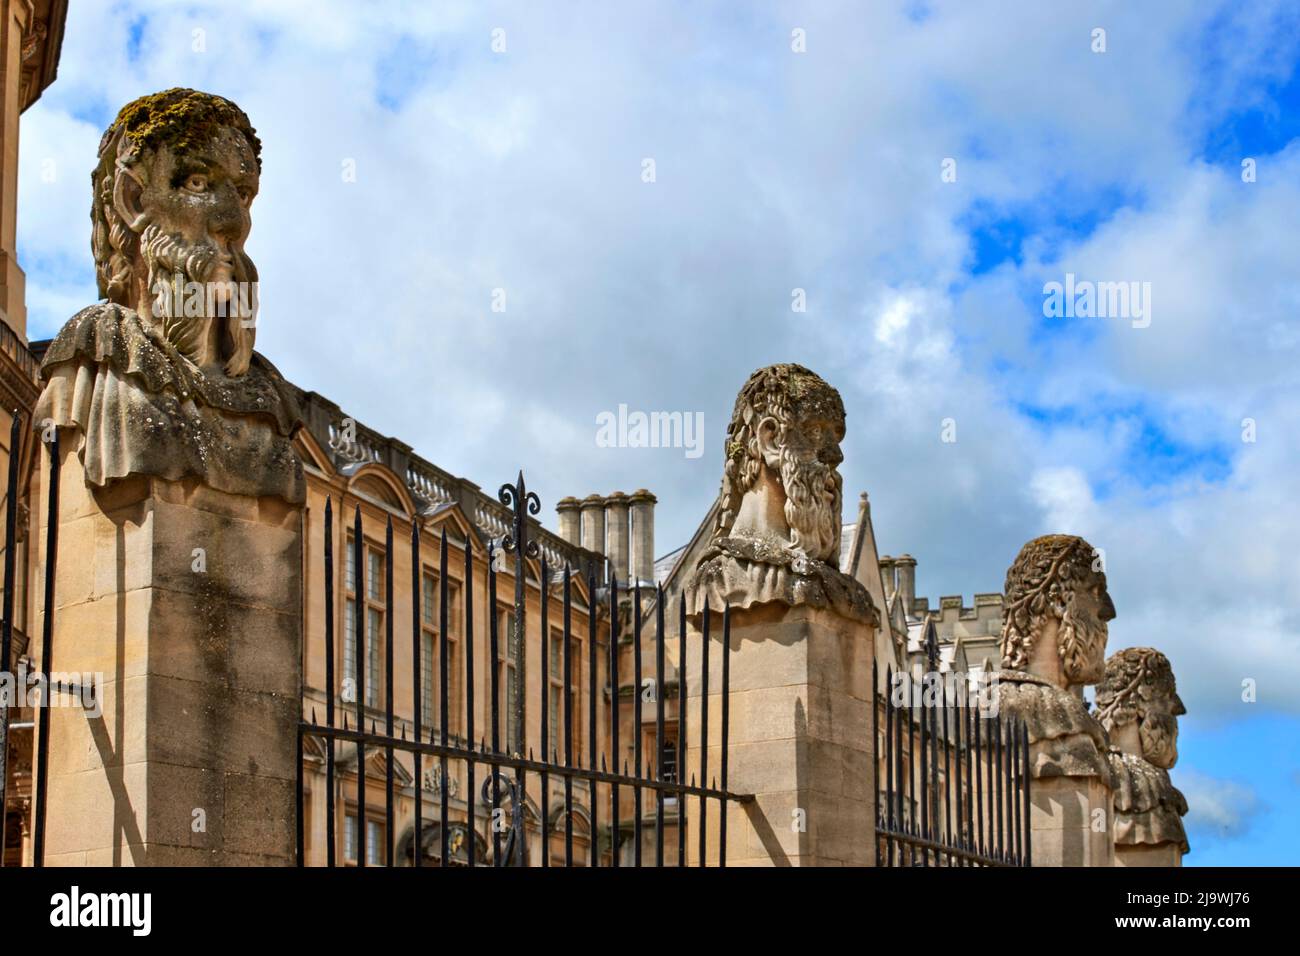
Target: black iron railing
{"type": "Point", "coordinates": [956, 787]}
{"type": "Point", "coordinates": [505, 784]}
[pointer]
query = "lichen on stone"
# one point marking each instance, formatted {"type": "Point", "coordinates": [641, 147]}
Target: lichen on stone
{"type": "Point", "coordinates": [181, 119]}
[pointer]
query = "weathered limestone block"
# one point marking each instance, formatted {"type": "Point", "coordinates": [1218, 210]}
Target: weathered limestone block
{"type": "Point", "coordinates": [799, 738]}
{"type": "Point", "coordinates": [1066, 826]}
{"type": "Point", "coordinates": [201, 677]}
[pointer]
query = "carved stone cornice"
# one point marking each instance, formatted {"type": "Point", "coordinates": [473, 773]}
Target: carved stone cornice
{"type": "Point", "coordinates": [17, 387]}
{"type": "Point", "coordinates": [42, 41]}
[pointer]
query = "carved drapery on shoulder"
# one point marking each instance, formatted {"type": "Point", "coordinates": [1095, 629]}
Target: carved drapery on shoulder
{"type": "Point", "coordinates": [143, 409]}
{"type": "Point", "coordinates": [1065, 740]}
{"type": "Point", "coordinates": [745, 572]}
{"type": "Point", "coordinates": [1149, 809]}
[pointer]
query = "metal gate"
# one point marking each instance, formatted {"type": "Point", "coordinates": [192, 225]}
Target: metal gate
{"type": "Point", "coordinates": [503, 786]}
{"type": "Point", "coordinates": [952, 783]}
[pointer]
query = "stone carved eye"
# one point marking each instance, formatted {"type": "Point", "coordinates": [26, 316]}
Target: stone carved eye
{"type": "Point", "coordinates": [196, 183]}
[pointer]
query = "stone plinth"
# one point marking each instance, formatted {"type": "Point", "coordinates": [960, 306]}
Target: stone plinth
{"type": "Point", "coordinates": [800, 738]}
{"type": "Point", "coordinates": [1070, 821]}
{"type": "Point", "coordinates": [188, 602]}
{"type": "Point", "coordinates": [1164, 854]}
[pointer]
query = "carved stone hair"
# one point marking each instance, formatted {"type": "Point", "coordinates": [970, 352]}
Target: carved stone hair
{"type": "Point", "coordinates": [179, 118]}
{"type": "Point", "coordinates": [1134, 677]}
{"type": "Point", "coordinates": [783, 392]}
{"type": "Point", "coordinates": [1040, 586]}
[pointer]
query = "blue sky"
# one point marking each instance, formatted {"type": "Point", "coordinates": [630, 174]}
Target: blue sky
{"type": "Point", "coordinates": [776, 170]}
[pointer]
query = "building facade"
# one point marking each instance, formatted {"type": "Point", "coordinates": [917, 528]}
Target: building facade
{"type": "Point", "coordinates": [31, 35]}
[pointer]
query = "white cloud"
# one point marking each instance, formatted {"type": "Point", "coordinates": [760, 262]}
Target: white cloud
{"type": "Point", "coordinates": [1217, 808]}
{"type": "Point", "coordinates": [1063, 496]}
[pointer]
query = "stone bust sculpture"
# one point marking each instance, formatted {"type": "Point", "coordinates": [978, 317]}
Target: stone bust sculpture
{"type": "Point", "coordinates": [1054, 627]}
{"type": "Point", "coordinates": [1138, 704]}
{"type": "Point", "coordinates": [160, 378]}
{"type": "Point", "coordinates": [777, 537]}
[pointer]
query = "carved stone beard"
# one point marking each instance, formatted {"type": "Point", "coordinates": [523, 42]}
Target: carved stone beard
{"type": "Point", "coordinates": [812, 506]}
{"type": "Point", "coordinates": [1159, 735]}
{"type": "Point", "coordinates": [172, 264]}
{"type": "Point", "coordinates": [1083, 644]}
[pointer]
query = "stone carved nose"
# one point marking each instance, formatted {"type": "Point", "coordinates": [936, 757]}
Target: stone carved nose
{"type": "Point", "coordinates": [227, 218]}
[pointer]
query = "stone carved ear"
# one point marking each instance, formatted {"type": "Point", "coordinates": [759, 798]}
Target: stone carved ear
{"type": "Point", "coordinates": [765, 436]}
{"type": "Point", "coordinates": [128, 199]}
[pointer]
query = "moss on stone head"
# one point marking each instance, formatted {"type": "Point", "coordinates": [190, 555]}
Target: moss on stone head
{"type": "Point", "coordinates": [181, 119]}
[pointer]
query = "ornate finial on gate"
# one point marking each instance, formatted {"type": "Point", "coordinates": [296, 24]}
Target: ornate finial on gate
{"type": "Point", "coordinates": [519, 499]}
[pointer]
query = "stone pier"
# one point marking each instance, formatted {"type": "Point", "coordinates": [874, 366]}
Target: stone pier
{"type": "Point", "coordinates": [800, 738]}
{"type": "Point", "coordinates": [186, 601]}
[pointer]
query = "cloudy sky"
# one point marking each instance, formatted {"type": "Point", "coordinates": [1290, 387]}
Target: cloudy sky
{"type": "Point", "coordinates": [919, 170]}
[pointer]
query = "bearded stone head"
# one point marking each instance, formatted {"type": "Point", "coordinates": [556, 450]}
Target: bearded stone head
{"type": "Point", "coordinates": [781, 477]}
{"type": "Point", "coordinates": [1057, 581]}
{"type": "Point", "coordinates": [177, 173]}
{"type": "Point", "coordinates": [1139, 687]}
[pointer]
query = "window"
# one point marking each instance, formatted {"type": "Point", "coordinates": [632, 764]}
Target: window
{"type": "Point", "coordinates": [373, 611]}
{"type": "Point", "coordinates": [428, 654]}
{"type": "Point", "coordinates": [430, 679]}
{"type": "Point", "coordinates": [374, 574]}
{"type": "Point", "coordinates": [555, 696]}
{"type": "Point", "coordinates": [430, 602]}
{"type": "Point", "coordinates": [670, 761]}
{"type": "Point", "coordinates": [506, 676]}
{"type": "Point", "coordinates": [670, 757]}
{"type": "Point", "coordinates": [375, 847]}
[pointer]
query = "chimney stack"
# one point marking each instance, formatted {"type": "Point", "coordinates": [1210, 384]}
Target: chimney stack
{"type": "Point", "coordinates": [616, 522]}
{"type": "Point", "coordinates": [906, 565]}
{"type": "Point", "coordinates": [643, 535]}
{"type": "Point", "coordinates": [570, 520]}
{"type": "Point", "coordinates": [593, 523]}
{"type": "Point", "coordinates": [887, 576]}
